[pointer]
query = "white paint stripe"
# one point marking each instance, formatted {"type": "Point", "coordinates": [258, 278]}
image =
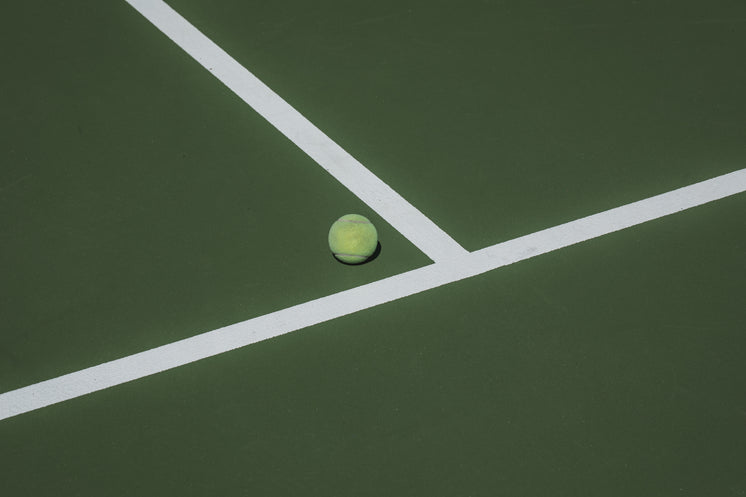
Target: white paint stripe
{"type": "Point", "coordinates": [380, 197]}
{"type": "Point", "coordinates": [340, 304]}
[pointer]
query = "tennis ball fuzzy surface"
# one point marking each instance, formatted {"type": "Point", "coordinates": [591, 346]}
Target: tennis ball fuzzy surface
{"type": "Point", "coordinates": [353, 239]}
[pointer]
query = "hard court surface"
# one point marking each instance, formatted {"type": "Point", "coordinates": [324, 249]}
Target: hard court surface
{"type": "Point", "coordinates": [142, 202]}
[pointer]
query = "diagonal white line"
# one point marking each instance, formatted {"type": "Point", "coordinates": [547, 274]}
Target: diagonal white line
{"type": "Point", "coordinates": [396, 287]}
{"type": "Point", "coordinates": [379, 196]}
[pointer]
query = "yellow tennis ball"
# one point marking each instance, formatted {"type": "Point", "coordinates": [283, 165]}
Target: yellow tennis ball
{"type": "Point", "coordinates": [353, 239]}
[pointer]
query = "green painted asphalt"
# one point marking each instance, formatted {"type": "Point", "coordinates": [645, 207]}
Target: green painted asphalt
{"type": "Point", "coordinates": [611, 368]}
{"type": "Point", "coordinates": [501, 118]}
{"type": "Point", "coordinates": [144, 203]}
{"type": "Point", "coordinates": [141, 202]}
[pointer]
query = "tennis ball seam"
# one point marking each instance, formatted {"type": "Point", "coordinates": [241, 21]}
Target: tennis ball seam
{"type": "Point", "coordinates": [350, 255]}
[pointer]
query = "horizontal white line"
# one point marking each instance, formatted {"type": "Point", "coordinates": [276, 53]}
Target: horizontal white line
{"type": "Point", "coordinates": [379, 196]}
{"type": "Point", "coordinates": [396, 287]}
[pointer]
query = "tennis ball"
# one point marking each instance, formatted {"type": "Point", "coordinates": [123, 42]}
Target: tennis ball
{"type": "Point", "coordinates": [353, 239]}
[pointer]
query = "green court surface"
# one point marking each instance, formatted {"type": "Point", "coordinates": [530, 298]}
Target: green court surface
{"type": "Point", "coordinates": [142, 202]}
{"type": "Point", "coordinates": [502, 118]}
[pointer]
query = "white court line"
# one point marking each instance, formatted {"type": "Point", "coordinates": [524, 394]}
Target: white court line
{"type": "Point", "coordinates": [396, 287]}
{"type": "Point", "coordinates": [380, 197]}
